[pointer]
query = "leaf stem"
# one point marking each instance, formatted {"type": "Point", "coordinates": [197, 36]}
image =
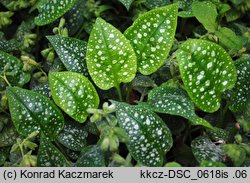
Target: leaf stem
{"type": "Point", "coordinates": [118, 89]}
{"type": "Point", "coordinates": [5, 79]}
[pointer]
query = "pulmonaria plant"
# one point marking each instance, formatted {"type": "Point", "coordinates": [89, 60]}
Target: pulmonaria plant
{"type": "Point", "coordinates": [167, 99]}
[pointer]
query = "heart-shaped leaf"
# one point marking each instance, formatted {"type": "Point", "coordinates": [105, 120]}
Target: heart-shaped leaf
{"type": "Point", "coordinates": [126, 3]}
{"type": "Point", "coordinates": [49, 10]}
{"type": "Point", "coordinates": [240, 94]}
{"type": "Point", "coordinates": [205, 150]}
{"type": "Point", "coordinates": [8, 135]}
{"type": "Point", "coordinates": [206, 14]}
{"type": "Point", "coordinates": [31, 111]}
{"type": "Point", "coordinates": [71, 52]}
{"type": "Point", "coordinates": [12, 68]}
{"type": "Point", "coordinates": [73, 93]}
{"type": "Point", "coordinates": [110, 57]}
{"type": "Point", "coordinates": [152, 36]}
{"type": "Point", "coordinates": [149, 137]}
{"type": "Point", "coordinates": [49, 156]}
{"type": "Point", "coordinates": [207, 71]}
{"type": "Point", "coordinates": [91, 156]}
{"type": "Point", "coordinates": [73, 136]}
{"type": "Point", "coordinates": [175, 101]}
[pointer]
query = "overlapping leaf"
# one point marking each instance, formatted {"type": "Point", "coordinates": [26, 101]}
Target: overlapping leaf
{"type": "Point", "coordinates": [170, 100]}
{"type": "Point", "coordinates": [110, 58]}
{"type": "Point", "coordinates": [12, 68]}
{"type": "Point", "coordinates": [126, 3]}
{"type": "Point", "coordinates": [207, 71]}
{"type": "Point", "coordinates": [206, 14]}
{"type": "Point", "coordinates": [205, 150]}
{"type": "Point", "coordinates": [240, 94]}
{"type": "Point", "coordinates": [73, 136]}
{"type": "Point", "coordinates": [50, 10]}
{"type": "Point", "coordinates": [149, 137]}
{"type": "Point", "coordinates": [31, 111]}
{"type": "Point", "coordinates": [73, 93]}
{"type": "Point", "coordinates": [91, 156]}
{"type": "Point", "coordinates": [71, 52]}
{"type": "Point", "coordinates": [49, 156]}
{"type": "Point", "coordinates": [152, 36]}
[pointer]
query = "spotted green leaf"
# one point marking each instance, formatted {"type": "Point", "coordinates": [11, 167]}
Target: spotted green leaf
{"type": "Point", "coordinates": [12, 68]}
{"type": "Point", "coordinates": [175, 101]}
{"type": "Point", "coordinates": [206, 14]}
{"type": "Point", "coordinates": [207, 71]}
{"type": "Point", "coordinates": [71, 52]}
{"type": "Point", "coordinates": [205, 150]}
{"type": "Point", "coordinates": [152, 36]}
{"type": "Point", "coordinates": [126, 3]}
{"type": "Point", "coordinates": [8, 135]}
{"type": "Point", "coordinates": [49, 156]}
{"type": "Point", "coordinates": [50, 10]}
{"type": "Point", "coordinates": [110, 57]}
{"type": "Point", "coordinates": [91, 156]}
{"type": "Point", "coordinates": [240, 94]}
{"type": "Point", "coordinates": [73, 93]}
{"type": "Point", "coordinates": [73, 136]}
{"type": "Point", "coordinates": [156, 3]}
{"type": "Point", "coordinates": [31, 111]}
{"type": "Point", "coordinates": [149, 137]}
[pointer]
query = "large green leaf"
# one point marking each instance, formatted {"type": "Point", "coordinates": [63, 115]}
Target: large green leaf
{"type": "Point", "coordinates": [31, 111]}
{"type": "Point", "coordinates": [13, 69]}
{"type": "Point", "coordinates": [206, 13]}
{"type": "Point", "coordinates": [71, 52]}
{"type": "Point", "coordinates": [73, 93]}
{"type": "Point", "coordinates": [126, 3]}
{"type": "Point", "coordinates": [50, 10]}
{"type": "Point", "coordinates": [91, 156]}
{"type": "Point", "coordinates": [152, 36]}
{"type": "Point", "coordinates": [49, 156]}
{"type": "Point", "coordinates": [73, 136]}
{"type": "Point", "coordinates": [205, 150]}
{"type": "Point", "coordinates": [110, 58]}
{"type": "Point", "coordinates": [175, 101]}
{"type": "Point", "coordinates": [207, 71]}
{"type": "Point", "coordinates": [240, 94]}
{"type": "Point", "coordinates": [149, 137]}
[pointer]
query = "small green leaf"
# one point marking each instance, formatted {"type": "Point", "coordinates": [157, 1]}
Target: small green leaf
{"type": "Point", "coordinates": [31, 111]}
{"type": "Point", "coordinates": [13, 70]}
{"type": "Point", "coordinates": [218, 135]}
{"type": "Point", "coordinates": [71, 52]}
{"type": "Point", "coordinates": [73, 93]}
{"type": "Point", "coordinates": [152, 36]}
{"type": "Point", "coordinates": [240, 94]}
{"type": "Point", "coordinates": [207, 71]}
{"type": "Point", "coordinates": [175, 101]}
{"type": "Point", "coordinates": [228, 39]}
{"type": "Point", "coordinates": [205, 150]}
{"type": "Point", "coordinates": [49, 156]}
{"type": "Point", "coordinates": [8, 135]}
{"type": "Point", "coordinates": [149, 137]}
{"type": "Point", "coordinates": [156, 3]}
{"type": "Point", "coordinates": [110, 57]}
{"type": "Point", "coordinates": [206, 14]}
{"type": "Point", "coordinates": [73, 136]}
{"type": "Point", "coordinates": [126, 3]}
{"type": "Point", "coordinates": [211, 164]}
{"type": "Point", "coordinates": [91, 156]}
{"type": "Point", "coordinates": [172, 164]}
{"type": "Point", "coordinates": [50, 10]}
{"type": "Point", "coordinates": [236, 153]}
